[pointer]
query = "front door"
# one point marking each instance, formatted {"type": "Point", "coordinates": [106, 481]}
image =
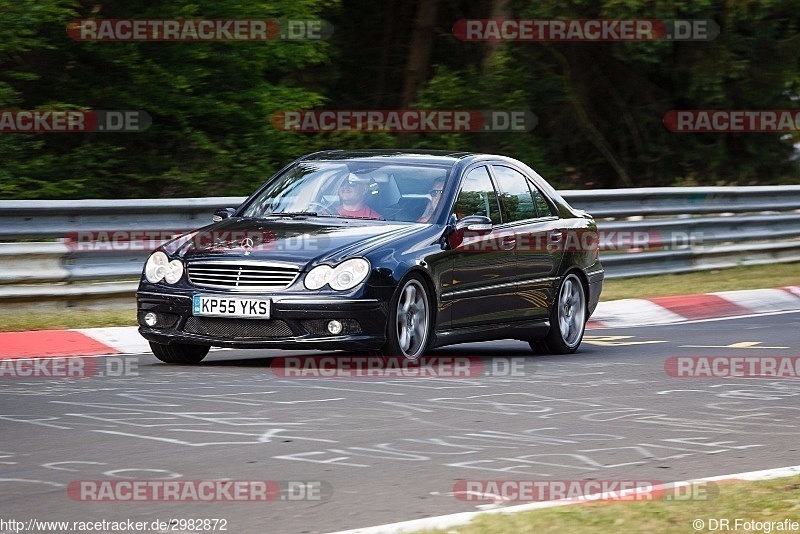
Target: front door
{"type": "Point", "coordinates": [484, 266]}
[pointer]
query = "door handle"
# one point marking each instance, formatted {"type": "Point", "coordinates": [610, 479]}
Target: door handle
{"type": "Point", "coordinates": [554, 241]}
{"type": "Point", "coordinates": [508, 242]}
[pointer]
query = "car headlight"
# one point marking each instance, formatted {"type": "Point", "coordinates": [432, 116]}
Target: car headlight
{"type": "Point", "coordinates": [174, 271]}
{"type": "Point", "coordinates": [158, 267]}
{"type": "Point", "coordinates": [349, 274]}
{"type": "Point", "coordinates": [318, 277]}
{"type": "Point", "coordinates": [344, 276]}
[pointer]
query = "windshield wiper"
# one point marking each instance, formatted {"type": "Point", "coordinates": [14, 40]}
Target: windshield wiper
{"type": "Point", "coordinates": [362, 218]}
{"type": "Point", "coordinates": [291, 214]}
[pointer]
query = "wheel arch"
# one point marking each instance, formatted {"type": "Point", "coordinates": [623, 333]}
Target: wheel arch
{"type": "Point", "coordinates": [584, 283]}
{"type": "Point", "coordinates": [423, 278]}
{"type": "Point", "coordinates": [429, 286]}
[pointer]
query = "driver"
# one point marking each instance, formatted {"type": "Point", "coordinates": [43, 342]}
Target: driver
{"type": "Point", "coordinates": [352, 195]}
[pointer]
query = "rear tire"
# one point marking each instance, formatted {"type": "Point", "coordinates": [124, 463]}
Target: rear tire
{"type": "Point", "coordinates": [179, 352]}
{"type": "Point", "coordinates": [567, 319]}
{"type": "Point", "coordinates": [410, 321]}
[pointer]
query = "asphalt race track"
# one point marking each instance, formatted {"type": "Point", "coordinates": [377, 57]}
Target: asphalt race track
{"type": "Point", "coordinates": [380, 450]}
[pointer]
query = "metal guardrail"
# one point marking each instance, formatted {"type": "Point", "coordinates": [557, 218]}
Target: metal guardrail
{"type": "Point", "coordinates": [46, 219]}
{"type": "Point", "coordinates": [703, 227]}
{"type": "Point", "coordinates": [664, 201]}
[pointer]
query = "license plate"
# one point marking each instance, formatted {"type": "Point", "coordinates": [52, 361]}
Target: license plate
{"type": "Point", "coordinates": [215, 306]}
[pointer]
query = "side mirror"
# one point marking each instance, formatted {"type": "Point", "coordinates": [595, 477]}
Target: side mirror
{"type": "Point", "coordinates": [222, 213]}
{"type": "Point", "coordinates": [456, 229]}
{"type": "Point", "coordinates": [475, 223]}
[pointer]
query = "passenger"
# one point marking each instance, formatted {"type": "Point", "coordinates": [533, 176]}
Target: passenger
{"type": "Point", "coordinates": [436, 195]}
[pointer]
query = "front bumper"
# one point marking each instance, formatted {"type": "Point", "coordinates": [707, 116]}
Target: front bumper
{"type": "Point", "coordinates": [296, 322]}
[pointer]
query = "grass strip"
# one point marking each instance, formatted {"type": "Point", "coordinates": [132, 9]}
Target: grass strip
{"type": "Point", "coordinates": [775, 500]}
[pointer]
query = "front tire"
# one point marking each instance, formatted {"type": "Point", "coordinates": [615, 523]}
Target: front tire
{"type": "Point", "coordinates": [179, 353]}
{"type": "Point", "coordinates": [410, 321]}
{"type": "Point", "coordinates": [567, 319]}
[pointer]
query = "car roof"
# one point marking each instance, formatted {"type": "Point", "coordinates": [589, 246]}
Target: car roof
{"type": "Point", "coordinates": [440, 157]}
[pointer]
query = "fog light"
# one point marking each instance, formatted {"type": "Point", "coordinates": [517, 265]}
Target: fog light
{"type": "Point", "coordinates": [334, 327]}
{"type": "Point", "coordinates": [150, 319]}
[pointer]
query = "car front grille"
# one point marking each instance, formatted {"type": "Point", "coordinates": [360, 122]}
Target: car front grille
{"type": "Point", "coordinates": [237, 328]}
{"type": "Point", "coordinates": [241, 276]}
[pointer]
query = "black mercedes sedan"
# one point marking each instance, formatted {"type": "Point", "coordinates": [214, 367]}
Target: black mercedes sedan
{"type": "Point", "coordinates": [386, 252]}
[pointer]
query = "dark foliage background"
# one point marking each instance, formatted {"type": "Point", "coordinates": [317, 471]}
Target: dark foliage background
{"type": "Point", "coordinates": [600, 105]}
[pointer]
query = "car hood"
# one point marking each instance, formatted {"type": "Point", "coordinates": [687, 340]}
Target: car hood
{"type": "Point", "coordinates": [296, 241]}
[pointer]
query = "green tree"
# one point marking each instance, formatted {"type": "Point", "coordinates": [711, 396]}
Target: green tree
{"type": "Point", "coordinates": [211, 102]}
{"type": "Point", "coordinates": [599, 105]}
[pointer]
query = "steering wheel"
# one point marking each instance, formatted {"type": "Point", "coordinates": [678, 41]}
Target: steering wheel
{"type": "Point", "coordinates": [323, 208]}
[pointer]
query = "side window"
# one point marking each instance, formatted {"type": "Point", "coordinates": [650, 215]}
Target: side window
{"type": "Point", "coordinates": [515, 197]}
{"type": "Point", "coordinates": [543, 207]}
{"type": "Point", "coordinates": [477, 196]}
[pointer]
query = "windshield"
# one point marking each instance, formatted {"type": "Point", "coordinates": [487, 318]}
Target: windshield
{"type": "Point", "coordinates": [357, 190]}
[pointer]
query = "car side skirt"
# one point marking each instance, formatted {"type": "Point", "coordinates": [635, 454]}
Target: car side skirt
{"type": "Point", "coordinates": [520, 330]}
